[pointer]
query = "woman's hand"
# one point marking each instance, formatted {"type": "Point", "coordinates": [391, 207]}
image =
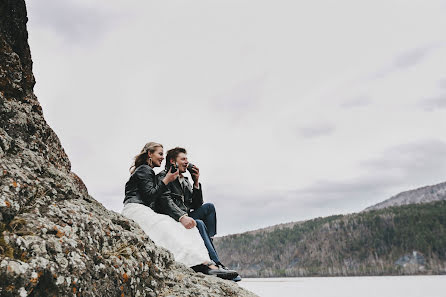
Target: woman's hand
{"type": "Point", "coordinates": [170, 177]}
{"type": "Point", "coordinates": [188, 222]}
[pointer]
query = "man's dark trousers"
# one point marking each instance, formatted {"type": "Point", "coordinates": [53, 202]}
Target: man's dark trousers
{"type": "Point", "coordinates": [207, 241]}
{"type": "Point", "coordinates": [207, 214]}
{"type": "Point", "coordinates": [206, 219]}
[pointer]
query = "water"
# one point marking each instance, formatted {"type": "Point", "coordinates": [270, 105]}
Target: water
{"type": "Point", "coordinates": [366, 286]}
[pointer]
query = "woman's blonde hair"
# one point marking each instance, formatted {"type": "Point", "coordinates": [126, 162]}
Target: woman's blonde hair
{"type": "Point", "coordinates": [143, 157]}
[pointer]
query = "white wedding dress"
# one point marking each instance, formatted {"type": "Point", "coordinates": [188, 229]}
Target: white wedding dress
{"type": "Point", "coordinates": [186, 245]}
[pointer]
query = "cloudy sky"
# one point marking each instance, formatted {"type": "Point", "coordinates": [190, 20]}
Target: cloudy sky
{"type": "Point", "coordinates": [291, 109]}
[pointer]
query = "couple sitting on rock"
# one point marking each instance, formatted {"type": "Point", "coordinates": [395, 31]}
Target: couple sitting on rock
{"type": "Point", "coordinates": [171, 211]}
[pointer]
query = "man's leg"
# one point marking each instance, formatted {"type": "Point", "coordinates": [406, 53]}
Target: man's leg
{"type": "Point", "coordinates": [213, 254]}
{"type": "Point", "coordinates": [207, 214]}
{"type": "Point", "coordinates": [207, 241]}
{"type": "Point", "coordinates": [211, 249]}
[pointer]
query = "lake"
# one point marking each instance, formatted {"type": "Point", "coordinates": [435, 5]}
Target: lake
{"type": "Point", "coordinates": [365, 286]}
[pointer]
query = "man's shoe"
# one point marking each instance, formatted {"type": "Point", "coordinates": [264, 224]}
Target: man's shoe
{"type": "Point", "coordinates": [200, 268]}
{"type": "Point", "coordinates": [220, 265]}
{"type": "Point", "coordinates": [237, 278]}
{"type": "Point", "coordinates": [223, 273]}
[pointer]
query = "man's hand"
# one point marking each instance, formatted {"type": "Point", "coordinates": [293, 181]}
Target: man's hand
{"type": "Point", "coordinates": [188, 222]}
{"type": "Point", "coordinates": [195, 175]}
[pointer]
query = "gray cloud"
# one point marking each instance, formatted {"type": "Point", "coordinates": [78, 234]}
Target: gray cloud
{"type": "Point", "coordinates": [342, 190]}
{"type": "Point", "coordinates": [442, 83]}
{"type": "Point", "coordinates": [404, 60]}
{"type": "Point", "coordinates": [243, 212]}
{"type": "Point", "coordinates": [415, 161]}
{"type": "Point", "coordinates": [74, 22]}
{"type": "Point", "coordinates": [245, 96]}
{"type": "Point", "coordinates": [358, 101]}
{"type": "Point", "coordinates": [247, 212]}
{"type": "Point", "coordinates": [412, 57]}
{"type": "Point", "coordinates": [434, 103]}
{"type": "Point", "coordinates": [317, 130]}
{"type": "Point", "coordinates": [398, 169]}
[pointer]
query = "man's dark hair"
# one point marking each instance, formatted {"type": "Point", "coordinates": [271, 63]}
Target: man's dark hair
{"type": "Point", "coordinates": [172, 154]}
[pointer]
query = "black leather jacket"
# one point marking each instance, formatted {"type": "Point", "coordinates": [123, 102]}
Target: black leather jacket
{"type": "Point", "coordinates": [179, 202]}
{"type": "Point", "coordinates": [145, 188]}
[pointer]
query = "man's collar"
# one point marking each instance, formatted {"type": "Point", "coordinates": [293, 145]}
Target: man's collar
{"type": "Point", "coordinates": [181, 175]}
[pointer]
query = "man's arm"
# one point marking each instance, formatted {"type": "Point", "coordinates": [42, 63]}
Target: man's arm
{"type": "Point", "coordinates": [197, 197]}
{"type": "Point", "coordinates": [197, 194]}
{"type": "Point", "coordinates": [167, 206]}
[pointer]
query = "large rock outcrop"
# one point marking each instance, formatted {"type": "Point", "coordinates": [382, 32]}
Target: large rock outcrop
{"type": "Point", "coordinates": [55, 239]}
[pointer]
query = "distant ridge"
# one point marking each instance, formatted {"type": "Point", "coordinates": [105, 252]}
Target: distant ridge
{"type": "Point", "coordinates": [273, 228]}
{"type": "Point", "coordinates": [400, 240]}
{"type": "Point", "coordinates": [424, 194]}
{"type": "Point", "coordinates": [403, 235]}
{"type": "Point", "coordinates": [421, 195]}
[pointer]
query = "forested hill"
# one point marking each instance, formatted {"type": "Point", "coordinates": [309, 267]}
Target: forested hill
{"type": "Point", "coordinates": [407, 239]}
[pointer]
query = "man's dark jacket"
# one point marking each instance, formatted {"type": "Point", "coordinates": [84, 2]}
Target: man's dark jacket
{"type": "Point", "coordinates": [179, 202]}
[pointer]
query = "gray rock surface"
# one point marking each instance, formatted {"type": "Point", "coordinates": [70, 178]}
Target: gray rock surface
{"type": "Point", "coordinates": [421, 195]}
{"type": "Point", "coordinates": [412, 263]}
{"type": "Point", "coordinates": [55, 239]}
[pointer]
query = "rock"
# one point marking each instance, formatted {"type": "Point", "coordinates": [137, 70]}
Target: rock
{"type": "Point", "coordinates": [55, 239]}
{"type": "Point", "coordinates": [412, 263]}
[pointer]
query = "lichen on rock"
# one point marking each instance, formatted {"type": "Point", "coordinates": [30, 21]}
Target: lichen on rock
{"type": "Point", "coordinates": [55, 239]}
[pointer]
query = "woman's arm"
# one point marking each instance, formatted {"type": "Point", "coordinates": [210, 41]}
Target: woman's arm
{"type": "Point", "coordinates": [149, 187]}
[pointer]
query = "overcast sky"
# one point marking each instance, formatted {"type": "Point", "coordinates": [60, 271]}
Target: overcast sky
{"type": "Point", "coordinates": [291, 109]}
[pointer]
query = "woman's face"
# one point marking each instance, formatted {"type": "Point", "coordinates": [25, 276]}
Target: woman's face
{"type": "Point", "coordinates": [157, 157]}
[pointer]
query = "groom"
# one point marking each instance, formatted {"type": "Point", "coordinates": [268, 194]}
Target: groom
{"type": "Point", "coordinates": [186, 201]}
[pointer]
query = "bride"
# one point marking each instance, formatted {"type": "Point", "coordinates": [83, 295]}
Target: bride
{"type": "Point", "coordinates": [143, 192]}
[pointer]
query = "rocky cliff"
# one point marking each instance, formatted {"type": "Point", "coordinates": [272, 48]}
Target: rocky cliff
{"type": "Point", "coordinates": [55, 239]}
{"type": "Point", "coordinates": [421, 195]}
